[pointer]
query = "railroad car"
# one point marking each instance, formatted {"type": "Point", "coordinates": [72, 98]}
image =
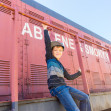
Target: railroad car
{"type": "Point", "coordinates": [23, 70]}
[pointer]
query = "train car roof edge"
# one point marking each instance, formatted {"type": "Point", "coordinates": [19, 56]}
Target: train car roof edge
{"type": "Point", "coordinates": [54, 14]}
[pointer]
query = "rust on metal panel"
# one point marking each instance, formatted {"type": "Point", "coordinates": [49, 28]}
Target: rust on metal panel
{"type": "Point", "coordinates": [23, 53]}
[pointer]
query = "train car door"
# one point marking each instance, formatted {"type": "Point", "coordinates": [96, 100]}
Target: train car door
{"type": "Point", "coordinates": [6, 41]}
{"type": "Point", "coordinates": [105, 68]}
{"type": "Point", "coordinates": [95, 75]}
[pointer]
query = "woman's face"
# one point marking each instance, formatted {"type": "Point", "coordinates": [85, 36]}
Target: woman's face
{"type": "Point", "coordinates": [57, 52]}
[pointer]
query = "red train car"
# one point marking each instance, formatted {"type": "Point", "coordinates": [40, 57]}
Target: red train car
{"type": "Point", "coordinates": [23, 71]}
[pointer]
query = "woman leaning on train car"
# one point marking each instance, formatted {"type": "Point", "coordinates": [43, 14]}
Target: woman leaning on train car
{"type": "Point", "coordinates": [56, 73]}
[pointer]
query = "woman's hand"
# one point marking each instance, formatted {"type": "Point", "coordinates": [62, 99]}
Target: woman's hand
{"type": "Point", "coordinates": [44, 26]}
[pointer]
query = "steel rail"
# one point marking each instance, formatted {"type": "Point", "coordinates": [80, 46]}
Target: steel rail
{"type": "Point", "coordinates": [5, 6]}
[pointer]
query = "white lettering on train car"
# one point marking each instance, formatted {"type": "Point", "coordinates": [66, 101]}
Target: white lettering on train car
{"type": "Point", "coordinates": [107, 56]}
{"type": "Point", "coordinates": [81, 47]}
{"type": "Point", "coordinates": [65, 41]}
{"type": "Point", "coordinates": [69, 43]}
{"type": "Point", "coordinates": [27, 30]}
{"type": "Point", "coordinates": [96, 52]}
{"type": "Point", "coordinates": [57, 37]}
{"type": "Point", "coordinates": [37, 31]}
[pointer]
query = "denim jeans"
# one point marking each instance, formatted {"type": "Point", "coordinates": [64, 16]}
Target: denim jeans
{"type": "Point", "coordinates": [65, 95]}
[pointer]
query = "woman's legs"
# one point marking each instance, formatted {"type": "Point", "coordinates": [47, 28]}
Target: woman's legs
{"type": "Point", "coordinates": [62, 93]}
{"type": "Point", "coordinates": [82, 97]}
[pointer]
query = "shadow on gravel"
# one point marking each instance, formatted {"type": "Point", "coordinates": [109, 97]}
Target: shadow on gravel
{"type": "Point", "coordinates": [107, 110]}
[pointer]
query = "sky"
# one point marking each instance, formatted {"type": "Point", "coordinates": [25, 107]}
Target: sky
{"type": "Point", "coordinates": [94, 15]}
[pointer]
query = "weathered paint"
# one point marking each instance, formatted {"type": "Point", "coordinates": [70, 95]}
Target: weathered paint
{"type": "Point", "coordinates": [23, 54]}
{"type": "Point", "coordinates": [99, 102]}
